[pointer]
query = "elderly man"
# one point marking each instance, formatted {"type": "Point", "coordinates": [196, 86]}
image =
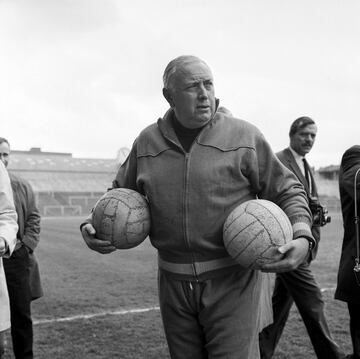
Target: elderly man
{"type": "Point", "coordinates": [194, 166]}
{"type": "Point", "coordinates": [8, 229]}
{"type": "Point", "coordinates": [348, 281]}
{"type": "Point", "coordinates": [300, 285]}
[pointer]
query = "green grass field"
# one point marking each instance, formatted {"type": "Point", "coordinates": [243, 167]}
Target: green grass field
{"type": "Point", "coordinates": [87, 308]}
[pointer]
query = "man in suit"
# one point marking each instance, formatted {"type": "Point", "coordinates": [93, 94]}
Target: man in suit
{"type": "Point", "coordinates": [299, 286]}
{"type": "Point", "coordinates": [21, 269]}
{"type": "Point", "coordinates": [348, 286]}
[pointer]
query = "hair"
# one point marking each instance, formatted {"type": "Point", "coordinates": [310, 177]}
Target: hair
{"type": "Point", "coordinates": [299, 124]}
{"type": "Point", "coordinates": [2, 140]}
{"type": "Point", "coordinates": [174, 65]}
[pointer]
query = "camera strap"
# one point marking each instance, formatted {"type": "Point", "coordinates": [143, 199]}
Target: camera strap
{"type": "Point", "coordinates": [357, 231]}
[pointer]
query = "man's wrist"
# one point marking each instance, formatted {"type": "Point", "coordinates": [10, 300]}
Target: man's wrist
{"type": "Point", "coordinates": [312, 243]}
{"type": "Point", "coordinates": [83, 224]}
{"type": "Point", "coordinates": [4, 248]}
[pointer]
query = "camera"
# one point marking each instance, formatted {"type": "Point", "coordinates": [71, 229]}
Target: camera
{"type": "Point", "coordinates": [357, 271]}
{"type": "Point", "coordinates": [319, 212]}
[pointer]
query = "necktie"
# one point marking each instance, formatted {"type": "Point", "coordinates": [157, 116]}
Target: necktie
{"type": "Point", "coordinates": [307, 169]}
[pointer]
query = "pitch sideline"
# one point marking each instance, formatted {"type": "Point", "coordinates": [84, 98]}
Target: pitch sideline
{"type": "Point", "coordinates": [94, 315]}
{"type": "Point", "coordinates": [118, 312]}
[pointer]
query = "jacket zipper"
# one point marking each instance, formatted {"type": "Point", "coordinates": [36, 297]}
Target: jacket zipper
{"type": "Point", "coordinates": [185, 199]}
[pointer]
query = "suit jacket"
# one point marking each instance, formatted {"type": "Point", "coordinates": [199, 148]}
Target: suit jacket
{"type": "Point", "coordinates": [287, 158]}
{"type": "Point", "coordinates": [347, 288]}
{"type": "Point", "coordinates": [29, 227]}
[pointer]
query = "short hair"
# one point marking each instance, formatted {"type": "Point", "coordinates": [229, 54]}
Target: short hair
{"type": "Point", "coordinates": [174, 65]}
{"type": "Point", "coordinates": [299, 124]}
{"type": "Point", "coordinates": [2, 140]}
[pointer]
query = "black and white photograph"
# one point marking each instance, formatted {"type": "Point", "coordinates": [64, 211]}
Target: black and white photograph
{"type": "Point", "coordinates": [179, 179]}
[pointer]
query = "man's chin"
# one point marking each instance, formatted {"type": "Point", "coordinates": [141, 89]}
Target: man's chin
{"type": "Point", "coordinates": [203, 117]}
{"type": "Point", "coordinates": [202, 121]}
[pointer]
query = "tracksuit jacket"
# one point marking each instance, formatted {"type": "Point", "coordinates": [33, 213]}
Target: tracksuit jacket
{"type": "Point", "coordinates": [191, 194]}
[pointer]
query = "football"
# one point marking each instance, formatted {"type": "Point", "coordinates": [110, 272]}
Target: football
{"type": "Point", "coordinates": [122, 216]}
{"type": "Point", "coordinates": [254, 230]}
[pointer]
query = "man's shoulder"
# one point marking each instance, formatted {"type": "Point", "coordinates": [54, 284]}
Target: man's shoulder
{"type": "Point", "coordinates": [351, 157]}
{"type": "Point", "coordinates": [227, 119]}
{"type": "Point", "coordinates": [284, 154]}
{"type": "Point", "coordinates": [18, 181]}
{"type": "Point", "coordinates": [235, 128]}
{"type": "Point", "coordinates": [151, 140]}
{"type": "Point", "coordinates": [353, 150]}
{"type": "Point", "coordinates": [150, 133]}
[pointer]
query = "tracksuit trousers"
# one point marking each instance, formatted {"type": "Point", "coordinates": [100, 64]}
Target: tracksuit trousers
{"type": "Point", "coordinates": [217, 318]}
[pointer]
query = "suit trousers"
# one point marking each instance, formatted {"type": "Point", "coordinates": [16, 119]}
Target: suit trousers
{"type": "Point", "coordinates": [354, 312]}
{"type": "Point", "coordinates": [17, 272]}
{"type": "Point", "coordinates": [2, 343]}
{"type": "Point", "coordinates": [299, 286]}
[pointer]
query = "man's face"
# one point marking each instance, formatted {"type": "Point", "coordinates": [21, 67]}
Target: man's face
{"type": "Point", "coordinates": [303, 140]}
{"type": "Point", "coordinates": [4, 153]}
{"type": "Point", "coordinates": [193, 95]}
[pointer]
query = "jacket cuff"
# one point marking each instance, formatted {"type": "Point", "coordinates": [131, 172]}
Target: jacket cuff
{"type": "Point", "coordinates": [87, 220]}
{"type": "Point", "coordinates": [30, 244]}
{"type": "Point", "coordinates": [302, 229]}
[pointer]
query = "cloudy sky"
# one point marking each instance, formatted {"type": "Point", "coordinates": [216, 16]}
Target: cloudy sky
{"type": "Point", "coordinates": [85, 76]}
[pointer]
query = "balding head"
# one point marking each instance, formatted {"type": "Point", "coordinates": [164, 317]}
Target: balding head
{"type": "Point", "coordinates": [177, 65]}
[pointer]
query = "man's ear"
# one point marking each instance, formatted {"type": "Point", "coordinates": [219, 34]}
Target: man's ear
{"type": "Point", "coordinates": [167, 94]}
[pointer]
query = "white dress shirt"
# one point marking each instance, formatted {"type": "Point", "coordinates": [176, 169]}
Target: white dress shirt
{"type": "Point", "coordinates": [299, 161]}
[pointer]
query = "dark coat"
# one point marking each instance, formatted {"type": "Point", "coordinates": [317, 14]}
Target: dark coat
{"type": "Point", "coordinates": [347, 288]}
{"type": "Point", "coordinates": [29, 227]}
{"type": "Point", "coordinates": [287, 158]}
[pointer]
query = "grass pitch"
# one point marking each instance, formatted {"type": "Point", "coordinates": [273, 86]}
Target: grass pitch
{"type": "Point", "coordinates": [82, 287]}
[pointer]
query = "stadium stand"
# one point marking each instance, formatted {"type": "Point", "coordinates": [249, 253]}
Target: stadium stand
{"type": "Point", "coordinates": [64, 185]}
{"type": "Point", "coordinates": [68, 186]}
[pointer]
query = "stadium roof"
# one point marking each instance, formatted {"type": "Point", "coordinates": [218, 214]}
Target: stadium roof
{"type": "Point", "coordinates": [60, 172]}
{"type": "Point", "coordinates": [51, 182]}
{"type": "Point", "coordinates": [54, 161]}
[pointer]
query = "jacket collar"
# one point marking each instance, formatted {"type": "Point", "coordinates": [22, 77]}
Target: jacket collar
{"type": "Point", "coordinates": [166, 127]}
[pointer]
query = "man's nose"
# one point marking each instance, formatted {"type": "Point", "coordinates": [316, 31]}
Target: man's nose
{"type": "Point", "coordinates": [202, 92]}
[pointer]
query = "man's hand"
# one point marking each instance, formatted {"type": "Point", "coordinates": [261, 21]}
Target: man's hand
{"type": "Point", "coordinates": [2, 247]}
{"type": "Point", "coordinates": [295, 252]}
{"type": "Point", "coordinates": [88, 232]}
